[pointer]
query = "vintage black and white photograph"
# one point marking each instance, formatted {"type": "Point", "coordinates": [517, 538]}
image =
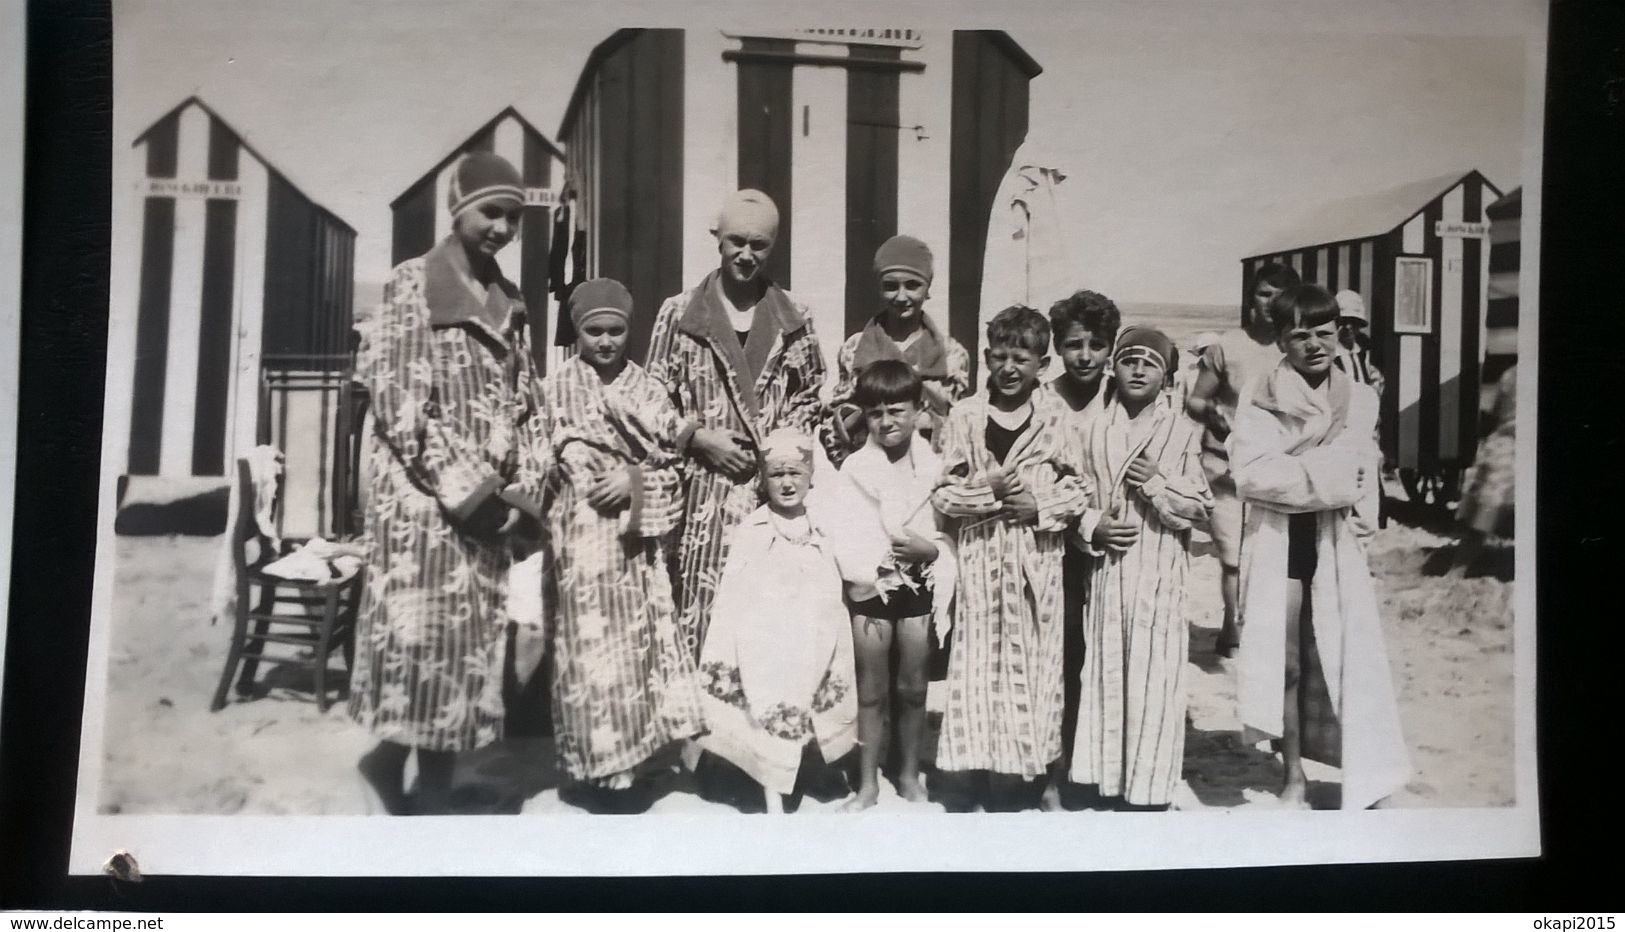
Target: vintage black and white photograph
{"type": "Point", "coordinates": [546, 437]}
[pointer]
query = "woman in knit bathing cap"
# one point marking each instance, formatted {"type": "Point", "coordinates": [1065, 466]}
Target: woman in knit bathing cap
{"type": "Point", "coordinates": [900, 329]}
{"type": "Point", "coordinates": [777, 663]}
{"type": "Point", "coordinates": [623, 684]}
{"type": "Point", "coordinates": [454, 465]}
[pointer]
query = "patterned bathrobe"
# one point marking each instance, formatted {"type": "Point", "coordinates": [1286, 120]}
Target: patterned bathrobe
{"type": "Point", "coordinates": [772, 381]}
{"type": "Point", "coordinates": [623, 687]}
{"type": "Point", "coordinates": [1004, 676]}
{"type": "Point", "coordinates": [1131, 714]}
{"type": "Point", "coordinates": [451, 381]}
{"type": "Point", "coordinates": [838, 439]}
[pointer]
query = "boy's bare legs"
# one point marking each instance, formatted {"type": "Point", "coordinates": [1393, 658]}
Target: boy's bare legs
{"type": "Point", "coordinates": [774, 802]}
{"type": "Point", "coordinates": [913, 650]}
{"type": "Point", "coordinates": [434, 781]}
{"type": "Point", "coordinates": [871, 642]}
{"type": "Point", "coordinates": [1294, 790]}
{"type": "Point", "coordinates": [1230, 592]}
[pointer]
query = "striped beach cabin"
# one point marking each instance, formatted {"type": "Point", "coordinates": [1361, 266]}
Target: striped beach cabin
{"type": "Point", "coordinates": [856, 134]}
{"type": "Point", "coordinates": [1418, 256]}
{"type": "Point", "coordinates": [240, 277]}
{"type": "Point", "coordinates": [1501, 318]}
{"type": "Point", "coordinates": [420, 218]}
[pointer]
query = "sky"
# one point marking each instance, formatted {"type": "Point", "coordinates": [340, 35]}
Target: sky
{"type": "Point", "coordinates": [1189, 129]}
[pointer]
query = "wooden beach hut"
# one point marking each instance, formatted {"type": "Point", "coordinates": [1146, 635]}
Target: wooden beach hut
{"type": "Point", "coordinates": [237, 284]}
{"type": "Point", "coordinates": [1417, 255]}
{"type": "Point", "coordinates": [419, 217]}
{"type": "Point", "coordinates": [857, 134]}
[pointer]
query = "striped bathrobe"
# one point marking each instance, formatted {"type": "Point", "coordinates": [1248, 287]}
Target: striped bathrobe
{"type": "Point", "coordinates": [772, 381]}
{"type": "Point", "coordinates": [1004, 699]}
{"type": "Point", "coordinates": [1131, 712]}
{"type": "Point", "coordinates": [451, 382]}
{"type": "Point", "coordinates": [623, 686]}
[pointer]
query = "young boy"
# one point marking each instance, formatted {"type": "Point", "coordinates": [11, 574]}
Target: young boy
{"type": "Point", "coordinates": [1013, 490]}
{"type": "Point", "coordinates": [1314, 667]}
{"type": "Point", "coordinates": [777, 661]}
{"type": "Point", "coordinates": [624, 688]}
{"type": "Point", "coordinates": [1228, 368]}
{"type": "Point", "coordinates": [1085, 328]}
{"type": "Point", "coordinates": [1143, 459]}
{"type": "Point", "coordinates": [898, 569]}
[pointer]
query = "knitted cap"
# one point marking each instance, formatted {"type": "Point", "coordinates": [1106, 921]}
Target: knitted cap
{"type": "Point", "coordinates": [748, 210]}
{"type": "Point", "coordinates": [904, 253]}
{"type": "Point", "coordinates": [787, 446]}
{"type": "Point", "coordinates": [1146, 343]}
{"type": "Point", "coordinates": [1350, 304]}
{"type": "Point", "coordinates": [480, 177]}
{"type": "Point", "coordinates": [599, 296]}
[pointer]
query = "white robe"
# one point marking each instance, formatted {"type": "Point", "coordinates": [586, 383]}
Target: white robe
{"type": "Point", "coordinates": [1325, 479]}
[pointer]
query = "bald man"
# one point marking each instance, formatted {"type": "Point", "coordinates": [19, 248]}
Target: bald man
{"type": "Point", "coordinates": [738, 356]}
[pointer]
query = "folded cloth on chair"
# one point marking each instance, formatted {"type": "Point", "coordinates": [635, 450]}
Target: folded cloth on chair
{"type": "Point", "coordinates": [265, 472]}
{"type": "Point", "coordinates": [318, 560]}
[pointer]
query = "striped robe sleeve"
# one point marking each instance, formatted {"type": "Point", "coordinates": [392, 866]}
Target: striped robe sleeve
{"type": "Point", "coordinates": [666, 362]}
{"type": "Point", "coordinates": [804, 408]}
{"type": "Point", "coordinates": [657, 497]}
{"type": "Point", "coordinates": [1182, 499]}
{"type": "Point", "coordinates": [957, 360]}
{"type": "Point", "coordinates": [398, 368]}
{"type": "Point", "coordinates": [1318, 479]}
{"type": "Point", "coordinates": [957, 495]}
{"type": "Point", "coordinates": [1061, 495]}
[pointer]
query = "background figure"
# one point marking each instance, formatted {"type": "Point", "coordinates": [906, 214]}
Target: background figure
{"type": "Point", "coordinates": [899, 330]}
{"type": "Point", "coordinates": [1228, 367]}
{"type": "Point", "coordinates": [455, 470]}
{"type": "Point", "coordinates": [1354, 358]}
{"type": "Point", "coordinates": [624, 686]}
{"type": "Point", "coordinates": [738, 358]}
{"type": "Point", "coordinates": [1486, 510]}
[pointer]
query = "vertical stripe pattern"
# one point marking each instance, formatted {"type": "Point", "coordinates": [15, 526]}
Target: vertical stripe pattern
{"type": "Point", "coordinates": [185, 300]}
{"type": "Point", "coordinates": [823, 164]}
{"type": "Point", "coordinates": [871, 178]}
{"type": "Point", "coordinates": [766, 142]}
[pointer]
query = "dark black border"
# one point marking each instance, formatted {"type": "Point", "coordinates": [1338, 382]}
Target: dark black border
{"type": "Point", "coordinates": [64, 336]}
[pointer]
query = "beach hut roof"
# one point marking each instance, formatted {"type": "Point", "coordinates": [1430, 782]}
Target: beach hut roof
{"type": "Point", "coordinates": [1364, 216]}
{"type": "Point", "coordinates": [486, 127]}
{"type": "Point", "coordinates": [242, 140]}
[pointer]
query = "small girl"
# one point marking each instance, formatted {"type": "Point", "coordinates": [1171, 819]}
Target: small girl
{"type": "Point", "coordinates": [1314, 669]}
{"type": "Point", "coordinates": [777, 661]}
{"type": "Point", "coordinates": [898, 568]}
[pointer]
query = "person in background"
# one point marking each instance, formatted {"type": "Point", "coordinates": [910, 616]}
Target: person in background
{"type": "Point", "coordinates": [1012, 487]}
{"type": "Point", "coordinates": [1487, 508]}
{"type": "Point", "coordinates": [1085, 328]}
{"type": "Point", "coordinates": [739, 359]}
{"type": "Point", "coordinates": [624, 686]}
{"type": "Point", "coordinates": [777, 664]}
{"type": "Point", "coordinates": [900, 330]}
{"type": "Point", "coordinates": [1227, 369]}
{"type": "Point", "coordinates": [898, 569]}
{"type": "Point", "coordinates": [1191, 367]}
{"type": "Point", "coordinates": [1143, 458]}
{"type": "Point", "coordinates": [1314, 669]}
{"type": "Point", "coordinates": [455, 474]}
{"type": "Point", "coordinates": [1353, 352]}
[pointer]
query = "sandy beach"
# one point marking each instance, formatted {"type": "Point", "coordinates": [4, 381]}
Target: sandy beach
{"type": "Point", "coordinates": [1449, 637]}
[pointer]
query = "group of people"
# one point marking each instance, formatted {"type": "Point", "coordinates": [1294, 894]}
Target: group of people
{"type": "Point", "coordinates": [725, 565]}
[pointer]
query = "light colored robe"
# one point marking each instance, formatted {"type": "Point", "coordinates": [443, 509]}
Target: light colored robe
{"type": "Point", "coordinates": [777, 665]}
{"type": "Point", "coordinates": [695, 355]}
{"type": "Point", "coordinates": [1131, 712]}
{"type": "Point", "coordinates": [624, 687]}
{"type": "Point", "coordinates": [1276, 477]}
{"type": "Point", "coordinates": [1004, 700]}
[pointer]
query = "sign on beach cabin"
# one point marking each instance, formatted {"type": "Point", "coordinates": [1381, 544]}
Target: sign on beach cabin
{"type": "Point", "coordinates": [213, 190]}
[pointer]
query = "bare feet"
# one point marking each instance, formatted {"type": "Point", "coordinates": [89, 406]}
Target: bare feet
{"type": "Point", "coordinates": [866, 797]}
{"type": "Point", "coordinates": [384, 778]}
{"type": "Point", "coordinates": [1294, 793]}
{"type": "Point", "coordinates": [1051, 800]}
{"type": "Point", "coordinates": [910, 789]}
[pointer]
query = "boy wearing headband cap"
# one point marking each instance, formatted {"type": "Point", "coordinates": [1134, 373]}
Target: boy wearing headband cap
{"type": "Point", "coordinates": [1011, 487]}
{"type": "Point", "coordinates": [738, 357]}
{"type": "Point", "coordinates": [624, 686]}
{"type": "Point", "coordinates": [1144, 462]}
{"type": "Point", "coordinates": [777, 660]}
{"type": "Point", "coordinates": [901, 329]}
{"type": "Point", "coordinates": [452, 466]}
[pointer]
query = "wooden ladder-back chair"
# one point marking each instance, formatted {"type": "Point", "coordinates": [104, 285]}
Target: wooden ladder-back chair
{"type": "Point", "coordinates": [322, 613]}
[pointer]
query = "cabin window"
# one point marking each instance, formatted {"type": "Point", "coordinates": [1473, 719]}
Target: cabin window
{"type": "Point", "coordinates": [1413, 295]}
